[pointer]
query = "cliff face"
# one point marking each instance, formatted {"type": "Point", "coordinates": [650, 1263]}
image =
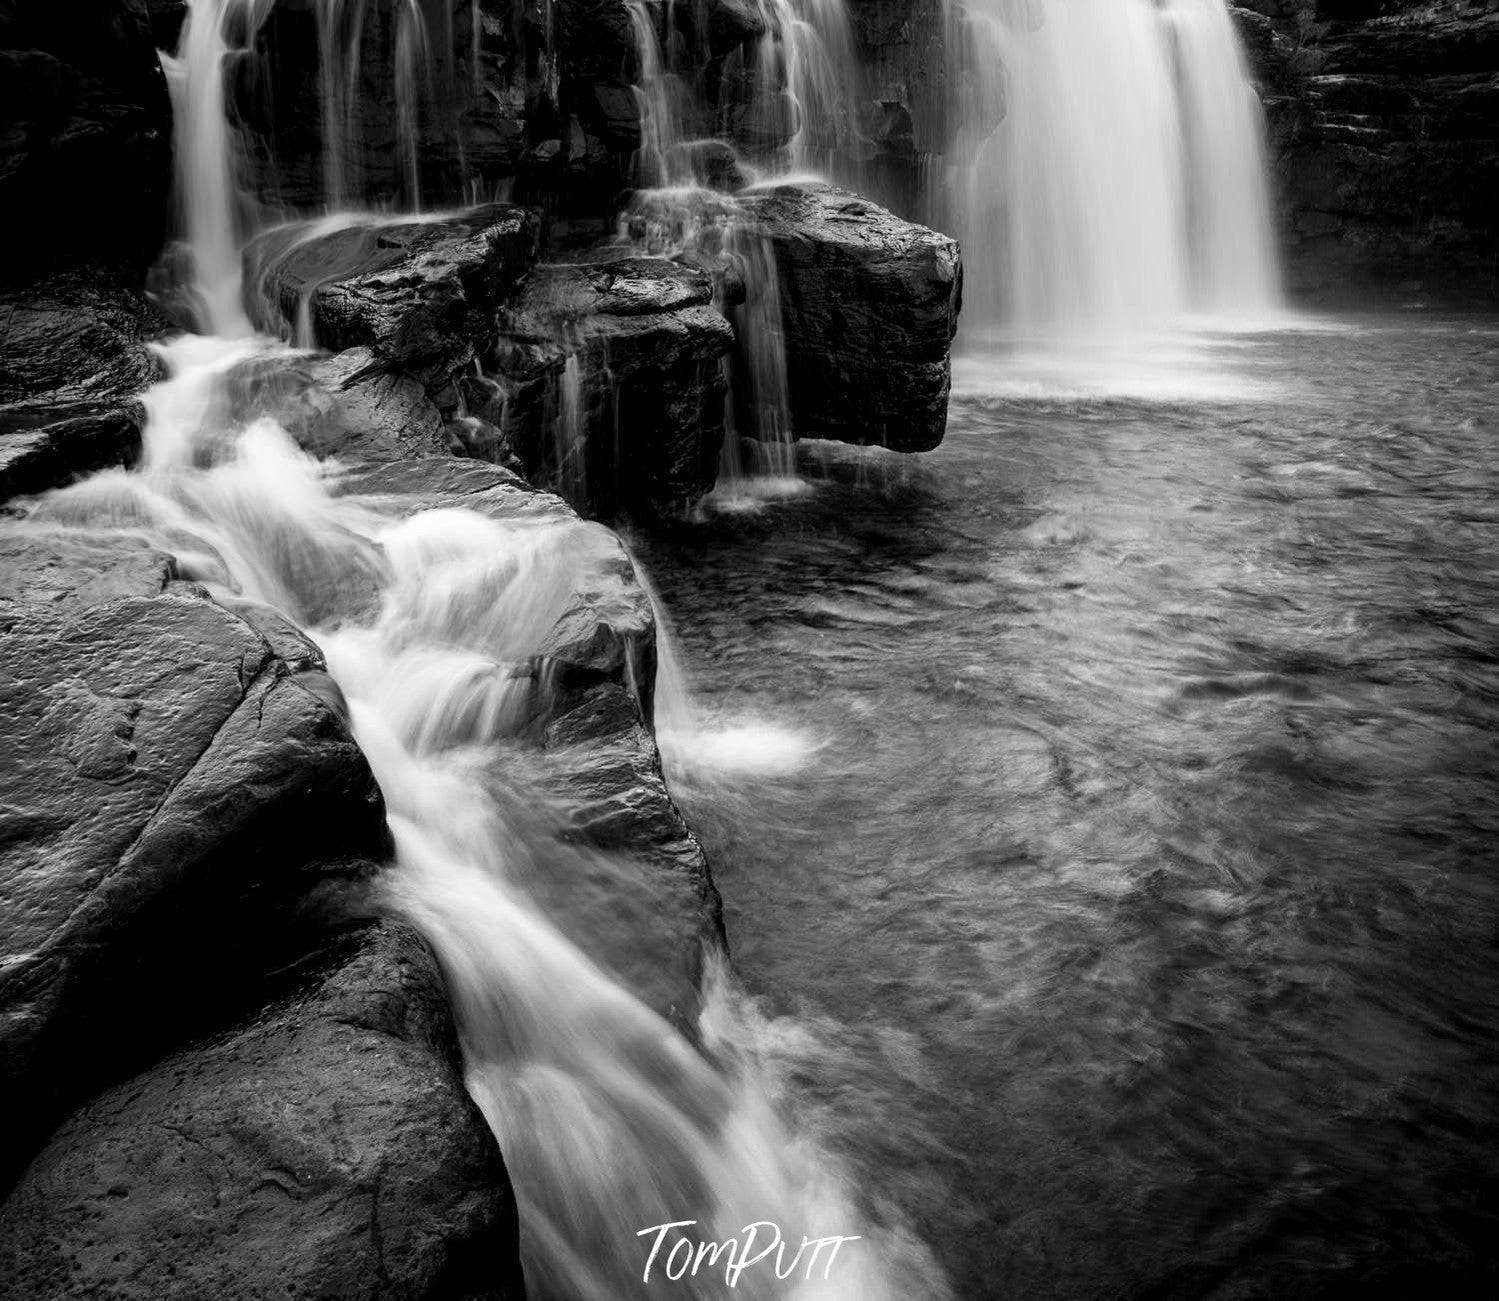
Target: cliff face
{"type": "Point", "coordinates": [84, 120]}
{"type": "Point", "coordinates": [1384, 120]}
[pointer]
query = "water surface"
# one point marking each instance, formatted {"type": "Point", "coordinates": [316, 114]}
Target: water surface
{"type": "Point", "coordinates": [1113, 821]}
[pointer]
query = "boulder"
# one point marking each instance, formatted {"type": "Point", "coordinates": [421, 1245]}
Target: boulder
{"type": "Point", "coordinates": [346, 404]}
{"type": "Point", "coordinates": [607, 855]}
{"type": "Point", "coordinates": [869, 307]}
{"type": "Point", "coordinates": [419, 294]}
{"type": "Point", "coordinates": [87, 115]}
{"type": "Point", "coordinates": [606, 379]}
{"type": "Point", "coordinates": [74, 356]}
{"type": "Point", "coordinates": [323, 1147]}
{"type": "Point", "coordinates": [176, 788]}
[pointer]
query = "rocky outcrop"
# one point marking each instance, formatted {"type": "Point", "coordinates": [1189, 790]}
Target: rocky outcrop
{"type": "Point", "coordinates": [908, 58]}
{"type": "Point", "coordinates": [324, 1147]}
{"type": "Point", "coordinates": [74, 357]}
{"type": "Point", "coordinates": [870, 307]}
{"type": "Point", "coordinates": [420, 295]}
{"type": "Point", "coordinates": [609, 857]}
{"type": "Point", "coordinates": [1384, 119]}
{"type": "Point", "coordinates": [606, 381]}
{"type": "Point", "coordinates": [347, 404]}
{"type": "Point", "coordinates": [86, 115]}
{"type": "Point", "coordinates": [176, 786]}
{"type": "Point", "coordinates": [537, 97]}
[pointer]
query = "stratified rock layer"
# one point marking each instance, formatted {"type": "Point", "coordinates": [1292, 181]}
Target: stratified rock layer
{"type": "Point", "coordinates": [74, 357]}
{"type": "Point", "coordinates": [1384, 119]}
{"type": "Point", "coordinates": [870, 307]}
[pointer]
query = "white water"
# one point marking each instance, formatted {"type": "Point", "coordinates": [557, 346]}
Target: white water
{"type": "Point", "coordinates": [1107, 168]}
{"type": "Point", "coordinates": [609, 1119]}
{"type": "Point", "coordinates": [207, 174]}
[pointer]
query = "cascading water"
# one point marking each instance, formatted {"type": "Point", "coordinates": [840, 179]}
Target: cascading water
{"type": "Point", "coordinates": [610, 1121]}
{"type": "Point", "coordinates": [794, 113]}
{"type": "Point", "coordinates": [1107, 170]}
{"type": "Point", "coordinates": [1230, 233]}
{"type": "Point", "coordinates": [207, 174]}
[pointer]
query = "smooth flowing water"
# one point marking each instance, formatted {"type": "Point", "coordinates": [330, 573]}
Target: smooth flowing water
{"type": "Point", "coordinates": [1106, 169]}
{"type": "Point", "coordinates": [1110, 797]}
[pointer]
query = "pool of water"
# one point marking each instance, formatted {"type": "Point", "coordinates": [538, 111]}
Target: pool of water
{"type": "Point", "coordinates": [1104, 807]}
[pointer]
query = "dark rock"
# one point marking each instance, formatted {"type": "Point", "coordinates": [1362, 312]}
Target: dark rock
{"type": "Point", "coordinates": [870, 306]}
{"type": "Point", "coordinates": [610, 385]}
{"type": "Point", "coordinates": [74, 356]}
{"type": "Point", "coordinates": [607, 855]}
{"type": "Point", "coordinates": [174, 791]}
{"type": "Point", "coordinates": [603, 765]}
{"type": "Point", "coordinates": [420, 295]}
{"type": "Point", "coordinates": [325, 1148]}
{"type": "Point", "coordinates": [33, 460]}
{"type": "Point", "coordinates": [346, 404]}
{"type": "Point", "coordinates": [87, 115]}
{"type": "Point", "coordinates": [1384, 122]}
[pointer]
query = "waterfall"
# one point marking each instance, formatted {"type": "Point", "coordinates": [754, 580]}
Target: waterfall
{"type": "Point", "coordinates": [1230, 232]}
{"type": "Point", "coordinates": [795, 112]}
{"type": "Point", "coordinates": [1107, 168]}
{"type": "Point", "coordinates": [207, 173]}
{"type": "Point", "coordinates": [610, 1120]}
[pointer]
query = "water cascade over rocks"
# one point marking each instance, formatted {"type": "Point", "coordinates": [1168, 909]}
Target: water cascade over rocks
{"type": "Point", "coordinates": [1114, 176]}
{"type": "Point", "coordinates": [494, 655]}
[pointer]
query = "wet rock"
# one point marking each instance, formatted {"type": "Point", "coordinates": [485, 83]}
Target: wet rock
{"type": "Point", "coordinates": [86, 111]}
{"type": "Point", "coordinates": [74, 356]}
{"type": "Point", "coordinates": [1384, 121]}
{"type": "Point", "coordinates": [346, 404]}
{"type": "Point", "coordinates": [175, 789]}
{"type": "Point", "coordinates": [420, 295]}
{"type": "Point", "coordinates": [610, 385]}
{"type": "Point", "coordinates": [601, 625]}
{"type": "Point", "coordinates": [870, 306]}
{"type": "Point", "coordinates": [325, 1147]}
{"type": "Point", "coordinates": [603, 764]}
{"type": "Point", "coordinates": [33, 460]}
{"type": "Point", "coordinates": [619, 871]}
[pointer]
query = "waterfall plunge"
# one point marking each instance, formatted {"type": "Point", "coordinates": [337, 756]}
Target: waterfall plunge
{"type": "Point", "coordinates": [1107, 167]}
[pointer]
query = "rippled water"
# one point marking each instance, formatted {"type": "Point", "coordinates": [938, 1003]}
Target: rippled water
{"type": "Point", "coordinates": [1116, 810]}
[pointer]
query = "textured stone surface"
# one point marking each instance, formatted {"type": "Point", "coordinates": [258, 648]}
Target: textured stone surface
{"type": "Point", "coordinates": [640, 341]}
{"type": "Point", "coordinates": [420, 295]}
{"type": "Point", "coordinates": [73, 359]}
{"type": "Point", "coordinates": [606, 854]}
{"type": "Point", "coordinates": [172, 784]}
{"type": "Point", "coordinates": [870, 305]}
{"type": "Point", "coordinates": [324, 1148]}
{"type": "Point", "coordinates": [345, 404]}
{"type": "Point", "coordinates": [1384, 120]}
{"type": "Point", "coordinates": [537, 97]}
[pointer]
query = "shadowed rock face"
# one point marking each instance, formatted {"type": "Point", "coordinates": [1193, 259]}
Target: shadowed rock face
{"type": "Point", "coordinates": [642, 429]}
{"type": "Point", "coordinates": [176, 787]}
{"type": "Point", "coordinates": [73, 359]}
{"type": "Point", "coordinates": [1384, 119]}
{"type": "Point", "coordinates": [325, 1147]}
{"type": "Point", "coordinates": [870, 306]}
{"type": "Point", "coordinates": [87, 115]}
{"type": "Point", "coordinates": [420, 295]}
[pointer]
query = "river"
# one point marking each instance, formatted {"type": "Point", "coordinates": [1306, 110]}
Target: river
{"type": "Point", "coordinates": [1104, 808]}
